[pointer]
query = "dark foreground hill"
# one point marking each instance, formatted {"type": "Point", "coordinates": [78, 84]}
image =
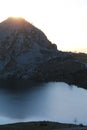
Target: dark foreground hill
{"type": "Point", "coordinates": [26, 53]}
{"type": "Point", "coordinates": [42, 126]}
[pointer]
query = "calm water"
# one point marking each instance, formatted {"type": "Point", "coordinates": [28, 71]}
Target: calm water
{"type": "Point", "coordinates": [52, 101]}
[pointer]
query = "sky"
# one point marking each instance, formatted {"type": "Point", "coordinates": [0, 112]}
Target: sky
{"type": "Point", "coordinates": [63, 21]}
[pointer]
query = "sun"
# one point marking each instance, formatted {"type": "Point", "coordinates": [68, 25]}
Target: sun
{"type": "Point", "coordinates": [63, 21]}
{"type": "Point", "coordinates": [27, 9]}
{"type": "Point", "coordinates": [14, 8]}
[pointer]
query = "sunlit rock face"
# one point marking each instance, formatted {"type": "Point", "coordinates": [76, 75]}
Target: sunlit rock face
{"type": "Point", "coordinates": [22, 48]}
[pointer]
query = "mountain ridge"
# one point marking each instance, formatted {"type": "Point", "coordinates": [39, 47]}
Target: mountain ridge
{"type": "Point", "coordinates": [26, 53]}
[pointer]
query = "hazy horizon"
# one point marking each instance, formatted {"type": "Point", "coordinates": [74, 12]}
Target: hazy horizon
{"type": "Point", "coordinates": [63, 21]}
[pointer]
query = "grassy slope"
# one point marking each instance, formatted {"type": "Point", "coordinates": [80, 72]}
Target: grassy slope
{"type": "Point", "coordinates": [37, 126]}
{"type": "Point", "coordinates": [82, 57]}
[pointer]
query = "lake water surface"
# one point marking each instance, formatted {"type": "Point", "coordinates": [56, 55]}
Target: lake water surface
{"type": "Point", "coordinates": [53, 101]}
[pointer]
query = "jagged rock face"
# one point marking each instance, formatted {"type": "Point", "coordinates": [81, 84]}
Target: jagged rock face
{"type": "Point", "coordinates": [22, 47]}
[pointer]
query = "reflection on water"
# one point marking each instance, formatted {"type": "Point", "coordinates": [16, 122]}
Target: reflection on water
{"type": "Point", "coordinates": [52, 101]}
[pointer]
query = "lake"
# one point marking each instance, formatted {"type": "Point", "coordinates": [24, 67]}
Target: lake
{"type": "Point", "coordinates": [53, 101]}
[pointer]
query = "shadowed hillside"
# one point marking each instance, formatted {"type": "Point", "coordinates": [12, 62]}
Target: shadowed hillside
{"type": "Point", "coordinates": [42, 126]}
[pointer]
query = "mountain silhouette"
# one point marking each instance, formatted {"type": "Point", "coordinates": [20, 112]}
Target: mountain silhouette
{"type": "Point", "coordinates": [22, 47]}
{"type": "Point", "coordinates": [26, 53]}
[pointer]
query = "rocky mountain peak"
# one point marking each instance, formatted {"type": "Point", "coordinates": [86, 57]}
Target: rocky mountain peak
{"type": "Point", "coordinates": [15, 31]}
{"type": "Point", "coordinates": [26, 53]}
{"type": "Point", "coordinates": [15, 19]}
{"type": "Point", "coordinates": [15, 23]}
{"type": "Point", "coordinates": [22, 47]}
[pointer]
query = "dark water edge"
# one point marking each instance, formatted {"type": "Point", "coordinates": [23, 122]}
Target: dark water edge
{"type": "Point", "coordinates": [20, 84]}
{"type": "Point", "coordinates": [41, 125]}
{"type": "Point", "coordinates": [14, 84]}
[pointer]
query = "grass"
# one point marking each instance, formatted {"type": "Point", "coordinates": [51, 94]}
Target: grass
{"type": "Point", "coordinates": [45, 125]}
{"type": "Point", "coordinates": [82, 57]}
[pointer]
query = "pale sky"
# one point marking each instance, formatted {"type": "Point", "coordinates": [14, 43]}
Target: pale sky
{"type": "Point", "coordinates": [63, 21]}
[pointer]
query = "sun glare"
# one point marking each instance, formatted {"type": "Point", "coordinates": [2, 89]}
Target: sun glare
{"type": "Point", "coordinates": [63, 21]}
{"type": "Point", "coordinates": [13, 8]}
